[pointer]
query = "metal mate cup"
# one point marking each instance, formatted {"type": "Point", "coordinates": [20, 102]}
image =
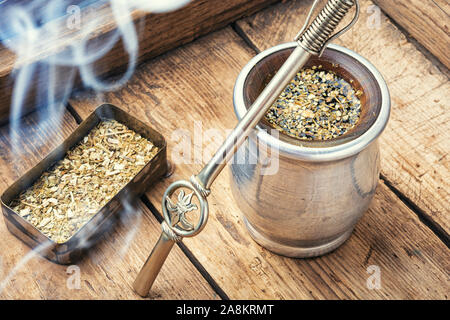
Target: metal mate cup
{"type": "Point", "coordinates": [310, 41]}
{"type": "Point", "coordinates": [321, 189]}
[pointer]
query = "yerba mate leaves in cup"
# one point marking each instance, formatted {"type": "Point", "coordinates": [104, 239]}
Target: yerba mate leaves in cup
{"type": "Point", "coordinates": [316, 105]}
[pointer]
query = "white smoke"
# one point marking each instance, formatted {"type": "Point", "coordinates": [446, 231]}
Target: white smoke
{"type": "Point", "coordinates": [30, 255]}
{"type": "Point", "coordinates": [50, 53]}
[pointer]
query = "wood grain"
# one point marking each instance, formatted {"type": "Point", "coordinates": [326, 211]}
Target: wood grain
{"type": "Point", "coordinates": [157, 33]}
{"type": "Point", "coordinates": [191, 87]}
{"type": "Point", "coordinates": [108, 271]}
{"type": "Point", "coordinates": [415, 146]}
{"type": "Point", "coordinates": [425, 20]}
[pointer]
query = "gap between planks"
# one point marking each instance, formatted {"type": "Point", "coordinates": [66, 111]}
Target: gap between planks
{"type": "Point", "coordinates": [432, 225]}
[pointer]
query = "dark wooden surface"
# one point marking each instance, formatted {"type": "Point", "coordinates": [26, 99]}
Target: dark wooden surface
{"type": "Point", "coordinates": [404, 233]}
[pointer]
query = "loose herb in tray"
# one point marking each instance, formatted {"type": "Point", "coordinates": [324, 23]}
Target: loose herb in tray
{"type": "Point", "coordinates": [316, 105]}
{"type": "Point", "coordinates": [68, 195]}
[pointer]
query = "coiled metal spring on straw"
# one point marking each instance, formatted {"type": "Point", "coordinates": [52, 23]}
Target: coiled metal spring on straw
{"type": "Point", "coordinates": [311, 41]}
{"type": "Point", "coordinates": [318, 35]}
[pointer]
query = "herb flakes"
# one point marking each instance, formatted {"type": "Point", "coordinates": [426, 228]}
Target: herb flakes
{"type": "Point", "coordinates": [316, 105]}
{"type": "Point", "coordinates": [69, 194]}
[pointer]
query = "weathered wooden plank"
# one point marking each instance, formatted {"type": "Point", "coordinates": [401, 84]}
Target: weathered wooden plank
{"type": "Point", "coordinates": [425, 20]}
{"type": "Point", "coordinates": [157, 33]}
{"type": "Point", "coordinates": [192, 87]}
{"type": "Point", "coordinates": [416, 143]}
{"type": "Point", "coordinates": [109, 269]}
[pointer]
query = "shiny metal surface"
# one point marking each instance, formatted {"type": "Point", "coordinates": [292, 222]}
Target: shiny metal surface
{"type": "Point", "coordinates": [317, 36]}
{"type": "Point", "coordinates": [312, 203]}
{"type": "Point", "coordinates": [152, 266]}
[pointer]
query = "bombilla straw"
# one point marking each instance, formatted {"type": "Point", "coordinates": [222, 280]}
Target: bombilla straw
{"type": "Point", "coordinates": [311, 40]}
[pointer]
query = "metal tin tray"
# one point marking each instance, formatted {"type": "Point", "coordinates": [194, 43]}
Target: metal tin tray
{"type": "Point", "coordinates": [71, 250]}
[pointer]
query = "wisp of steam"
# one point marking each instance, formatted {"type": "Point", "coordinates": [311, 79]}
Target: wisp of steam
{"type": "Point", "coordinates": [53, 41]}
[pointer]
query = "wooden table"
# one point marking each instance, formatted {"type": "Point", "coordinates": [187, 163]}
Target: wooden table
{"type": "Point", "coordinates": [405, 233]}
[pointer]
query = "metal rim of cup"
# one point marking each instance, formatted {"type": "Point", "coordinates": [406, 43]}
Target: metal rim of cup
{"type": "Point", "coordinates": [316, 154]}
